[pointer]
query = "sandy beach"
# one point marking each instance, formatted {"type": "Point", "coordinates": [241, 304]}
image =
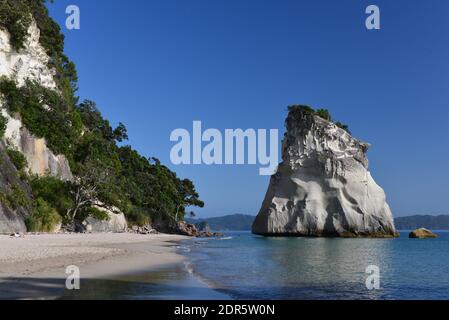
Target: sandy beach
{"type": "Point", "coordinates": [33, 267]}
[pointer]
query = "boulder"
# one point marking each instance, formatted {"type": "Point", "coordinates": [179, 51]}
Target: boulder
{"type": "Point", "coordinates": [422, 233]}
{"type": "Point", "coordinates": [115, 222]}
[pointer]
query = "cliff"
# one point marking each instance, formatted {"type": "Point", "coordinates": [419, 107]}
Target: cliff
{"type": "Point", "coordinates": [61, 157]}
{"type": "Point", "coordinates": [30, 63]}
{"type": "Point", "coordinates": [323, 186]}
{"type": "Point", "coordinates": [15, 196]}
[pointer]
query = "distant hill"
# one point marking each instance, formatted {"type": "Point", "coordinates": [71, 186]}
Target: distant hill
{"type": "Point", "coordinates": [422, 221]}
{"type": "Point", "coordinates": [235, 222]}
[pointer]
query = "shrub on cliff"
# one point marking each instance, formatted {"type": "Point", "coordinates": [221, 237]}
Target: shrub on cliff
{"type": "Point", "coordinates": [15, 17]}
{"type": "Point", "coordinates": [322, 113]}
{"type": "Point", "coordinates": [17, 158]}
{"type": "Point", "coordinates": [44, 113]}
{"type": "Point", "coordinates": [3, 124]}
{"type": "Point", "coordinates": [44, 217]}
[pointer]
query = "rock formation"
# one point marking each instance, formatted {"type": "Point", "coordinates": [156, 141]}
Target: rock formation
{"type": "Point", "coordinates": [115, 222]}
{"type": "Point", "coordinates": [30, 63]}
{"type": "Point", "coordinates": [12, 215]}
{"type": "Point", "coordinates": [323, 186]}
{"type": "Point", "coordinates": [422, 233]}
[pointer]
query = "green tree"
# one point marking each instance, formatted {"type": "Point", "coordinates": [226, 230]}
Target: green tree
{"type": "Point", "coordinates": [324, 113]}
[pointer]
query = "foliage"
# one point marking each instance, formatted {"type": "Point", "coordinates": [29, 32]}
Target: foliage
{"type": "Point", "coordinates": [40, 109]}
{"type": "Point", "coordinates": [15, 198]}
{"type": "Point", "coordinates": [17, 158]}
{"type": "Point", "coordinates": [3, 123]}
{"type": "Point", "coordinates": [343, 126]}
{"type": "Point", "coordinates": [98, 214]}
{"type": "Point", "coordinates": [323, 113]}
{"type": "Point", "coordinates": [144, 189]}
{"type": "Point", "coordinates": [44, 217]}
{"type": "Point", "coordinates": [54, 191]}
{"type": "Point", "coordinates": [15, 17]}
{"type": "Point", "coordinates": [137, 217]}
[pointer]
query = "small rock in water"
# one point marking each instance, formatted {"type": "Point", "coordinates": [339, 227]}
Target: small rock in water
{"type": "Point", "coordinates": [422, 233]}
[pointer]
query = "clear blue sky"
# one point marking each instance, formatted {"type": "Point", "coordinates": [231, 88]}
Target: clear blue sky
{"type": "Point", "coordinates": [159, 65]}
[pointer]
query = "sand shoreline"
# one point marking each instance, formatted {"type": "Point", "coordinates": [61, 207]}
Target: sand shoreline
{"type": "Point", "coordinates": [34, 267]}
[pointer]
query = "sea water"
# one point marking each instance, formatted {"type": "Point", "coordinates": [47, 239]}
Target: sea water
{"type": "Point", "coordinates": [245, 266]}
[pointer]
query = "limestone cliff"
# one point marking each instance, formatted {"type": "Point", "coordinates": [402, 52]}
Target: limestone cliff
{"type": "Point", "coordinates": [30, 63]}
{"type": "Point", "coordinates": [323, 186]}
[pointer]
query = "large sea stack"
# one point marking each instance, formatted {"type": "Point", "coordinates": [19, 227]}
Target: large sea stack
{"type": "Point", "coordinates": [323, 186]}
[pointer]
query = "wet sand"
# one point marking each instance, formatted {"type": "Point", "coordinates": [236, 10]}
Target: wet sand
{"type": "Point", "coordinates": [112, 266]}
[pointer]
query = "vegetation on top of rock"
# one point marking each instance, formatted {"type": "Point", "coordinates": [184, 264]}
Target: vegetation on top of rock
{"type": "Point", "coordinates": [322, 113]}
{"type": "Point", "coordinates": [15, 17]}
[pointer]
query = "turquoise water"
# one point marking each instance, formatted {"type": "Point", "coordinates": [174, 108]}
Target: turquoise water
{"type": "Point", "coordinates": [245, 266]}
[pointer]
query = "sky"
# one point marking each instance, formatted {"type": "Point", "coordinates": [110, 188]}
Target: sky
{"type": "Point", "coordinates": [160, 65]}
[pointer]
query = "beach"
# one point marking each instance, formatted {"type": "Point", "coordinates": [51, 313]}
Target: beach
{"type": "Point", "coordinates": [34, 266]}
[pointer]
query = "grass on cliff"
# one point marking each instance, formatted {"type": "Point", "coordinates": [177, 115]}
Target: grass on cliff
{"type": "Point", "coordinates": [322, 113]}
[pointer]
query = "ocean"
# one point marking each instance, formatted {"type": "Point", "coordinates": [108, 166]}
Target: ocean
{"type": "Point", "coordinates": [245, 266]}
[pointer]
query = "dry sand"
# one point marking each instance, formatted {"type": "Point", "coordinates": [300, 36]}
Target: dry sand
{"type": "Point", "coordinates": [34, 267]}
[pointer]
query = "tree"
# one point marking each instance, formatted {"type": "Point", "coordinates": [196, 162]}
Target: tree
{"type": "Point", "coordinates": [324, 113]}
{"type": "Point", "coordinates": [92, 180]}
{"type": "Point", "coordinates": [120, 133]}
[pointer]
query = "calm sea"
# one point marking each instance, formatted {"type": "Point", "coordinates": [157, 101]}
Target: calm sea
{"type": "Point", "coordinates": [245, 266]}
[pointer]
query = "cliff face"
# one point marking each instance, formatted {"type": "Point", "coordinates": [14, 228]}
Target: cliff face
{"type": "Point", "coordinates": [12, 215]}
{"type": "Point", "coordinates": [30, 63]}
{"type": "Point", "coordinates": [323, 186]}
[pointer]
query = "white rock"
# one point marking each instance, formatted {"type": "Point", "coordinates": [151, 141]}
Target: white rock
{"type": "Point", "coordinates": [323, 186]}
{"type": "Point", "coordinates": [116, 221]}
{"type": "Point", "coordinates": [30, 63]}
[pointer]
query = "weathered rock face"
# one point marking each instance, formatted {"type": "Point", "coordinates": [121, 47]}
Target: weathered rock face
{"type": "Point", "coordinates": [11, 219]}
{"type": "Point", "coordinates": [30, 63]}
{"type": "Point", "coordinates": [422, 234]}
{"type": "Point", "coordinates": [323, 186]}
{"type": "Point", "coordinates": [115, 223]}
{"type": "Point", "coordinates": [40, 159]}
